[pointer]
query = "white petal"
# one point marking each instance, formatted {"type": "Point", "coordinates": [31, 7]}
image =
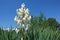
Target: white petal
{"type": "Point", "coordinates": [23, 5]}
{"type": "Point", "coordinates": [15, 18]}
{"type": "Point", "coordinates": [29, 18]}
{"type": "Point", "coordinates": [27, 11]}
{"type": "Point", "coordinates": [23, 25]}
{"type": "Point", "coordinates": [17, 10]}
{"type": "Point", "coordinates": [24, 18]}
{"type": "Point", "coordinates": [19, 13]}
{"type": "Point", "coordinates": [17, 30]}
{"type": "Point", "coordinates": [26, 15]}
{"type": "Point", "coordinates": [18, 22]}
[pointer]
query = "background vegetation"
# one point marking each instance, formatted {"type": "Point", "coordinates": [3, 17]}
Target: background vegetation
{"type": "Point", "coordinates": [40, 29]}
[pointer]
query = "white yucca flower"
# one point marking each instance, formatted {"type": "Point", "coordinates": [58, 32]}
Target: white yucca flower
{"type": "Point", "coordinates": [27, 11]}
{"type": "Point", "coordinates": [16, 10]}
{"type": "Point", "coordinates": [23, 5]}
{"type": "Point", "coordinates": [26, 15]}
{"type": "Point", "coordinates": [16, 18]}
{"type": "Point", "coordinates": [19, 13]}
{"type": "Point", "coordinates": [21, 10]}
{"type": "Point", "coordinates": [23, 18]}
{"type": "Point", "coordinates": [18, 22]}
{"type": "Point", "coordinates": [17, 30]}
{"type": "Point", "coordinates": [29, 18]}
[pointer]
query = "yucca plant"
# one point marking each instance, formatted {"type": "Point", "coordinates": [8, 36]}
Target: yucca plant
{"type": "Point", "coordinates": [23, 19]}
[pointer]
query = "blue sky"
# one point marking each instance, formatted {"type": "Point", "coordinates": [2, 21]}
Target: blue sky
{"type": "Point", "coordinates": [50, 8]}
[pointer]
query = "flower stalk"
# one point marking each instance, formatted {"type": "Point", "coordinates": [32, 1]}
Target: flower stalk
{"type": "Point", "coordinates": [23, 18]}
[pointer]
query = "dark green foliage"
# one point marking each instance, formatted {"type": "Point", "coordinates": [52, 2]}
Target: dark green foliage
{"type": "Point", "coordinates": [52, 22]}
{"type": "Point", "coordinates": [40, 29]}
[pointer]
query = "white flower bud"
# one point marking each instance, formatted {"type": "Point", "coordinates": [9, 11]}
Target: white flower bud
{"type": "Point", "coordinates": [17, 30]}
{"type": "Point", "coordinates": [17, 10]}
{"type": "Point", "coordinates": [26, 15]}
{"type": "Point", "coordinates": [27, 11]}
{"type": "Point", "coordinates": [29, 18]}
{"type": "Point", "coordinates": [20, 10]}
{"type": "Point", "coordinates": [20, 14]}
{"type": "Point", "coordinates": [23, 5]}
{"type": "Point", "coordinates": [24, 18]}
{"type": "Point", "coordinates": [23, 25]}
{"type": "Point", "coordinates": [16, 18]}
{"type": "Point", "coordinates": [18, 22]}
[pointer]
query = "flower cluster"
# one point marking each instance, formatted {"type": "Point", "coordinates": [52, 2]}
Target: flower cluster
{"type": "Point", "coordinates": [23, 18]}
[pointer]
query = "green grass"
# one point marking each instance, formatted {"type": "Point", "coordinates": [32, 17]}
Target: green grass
{"type": "Point", "coordinates": [47, 33]}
